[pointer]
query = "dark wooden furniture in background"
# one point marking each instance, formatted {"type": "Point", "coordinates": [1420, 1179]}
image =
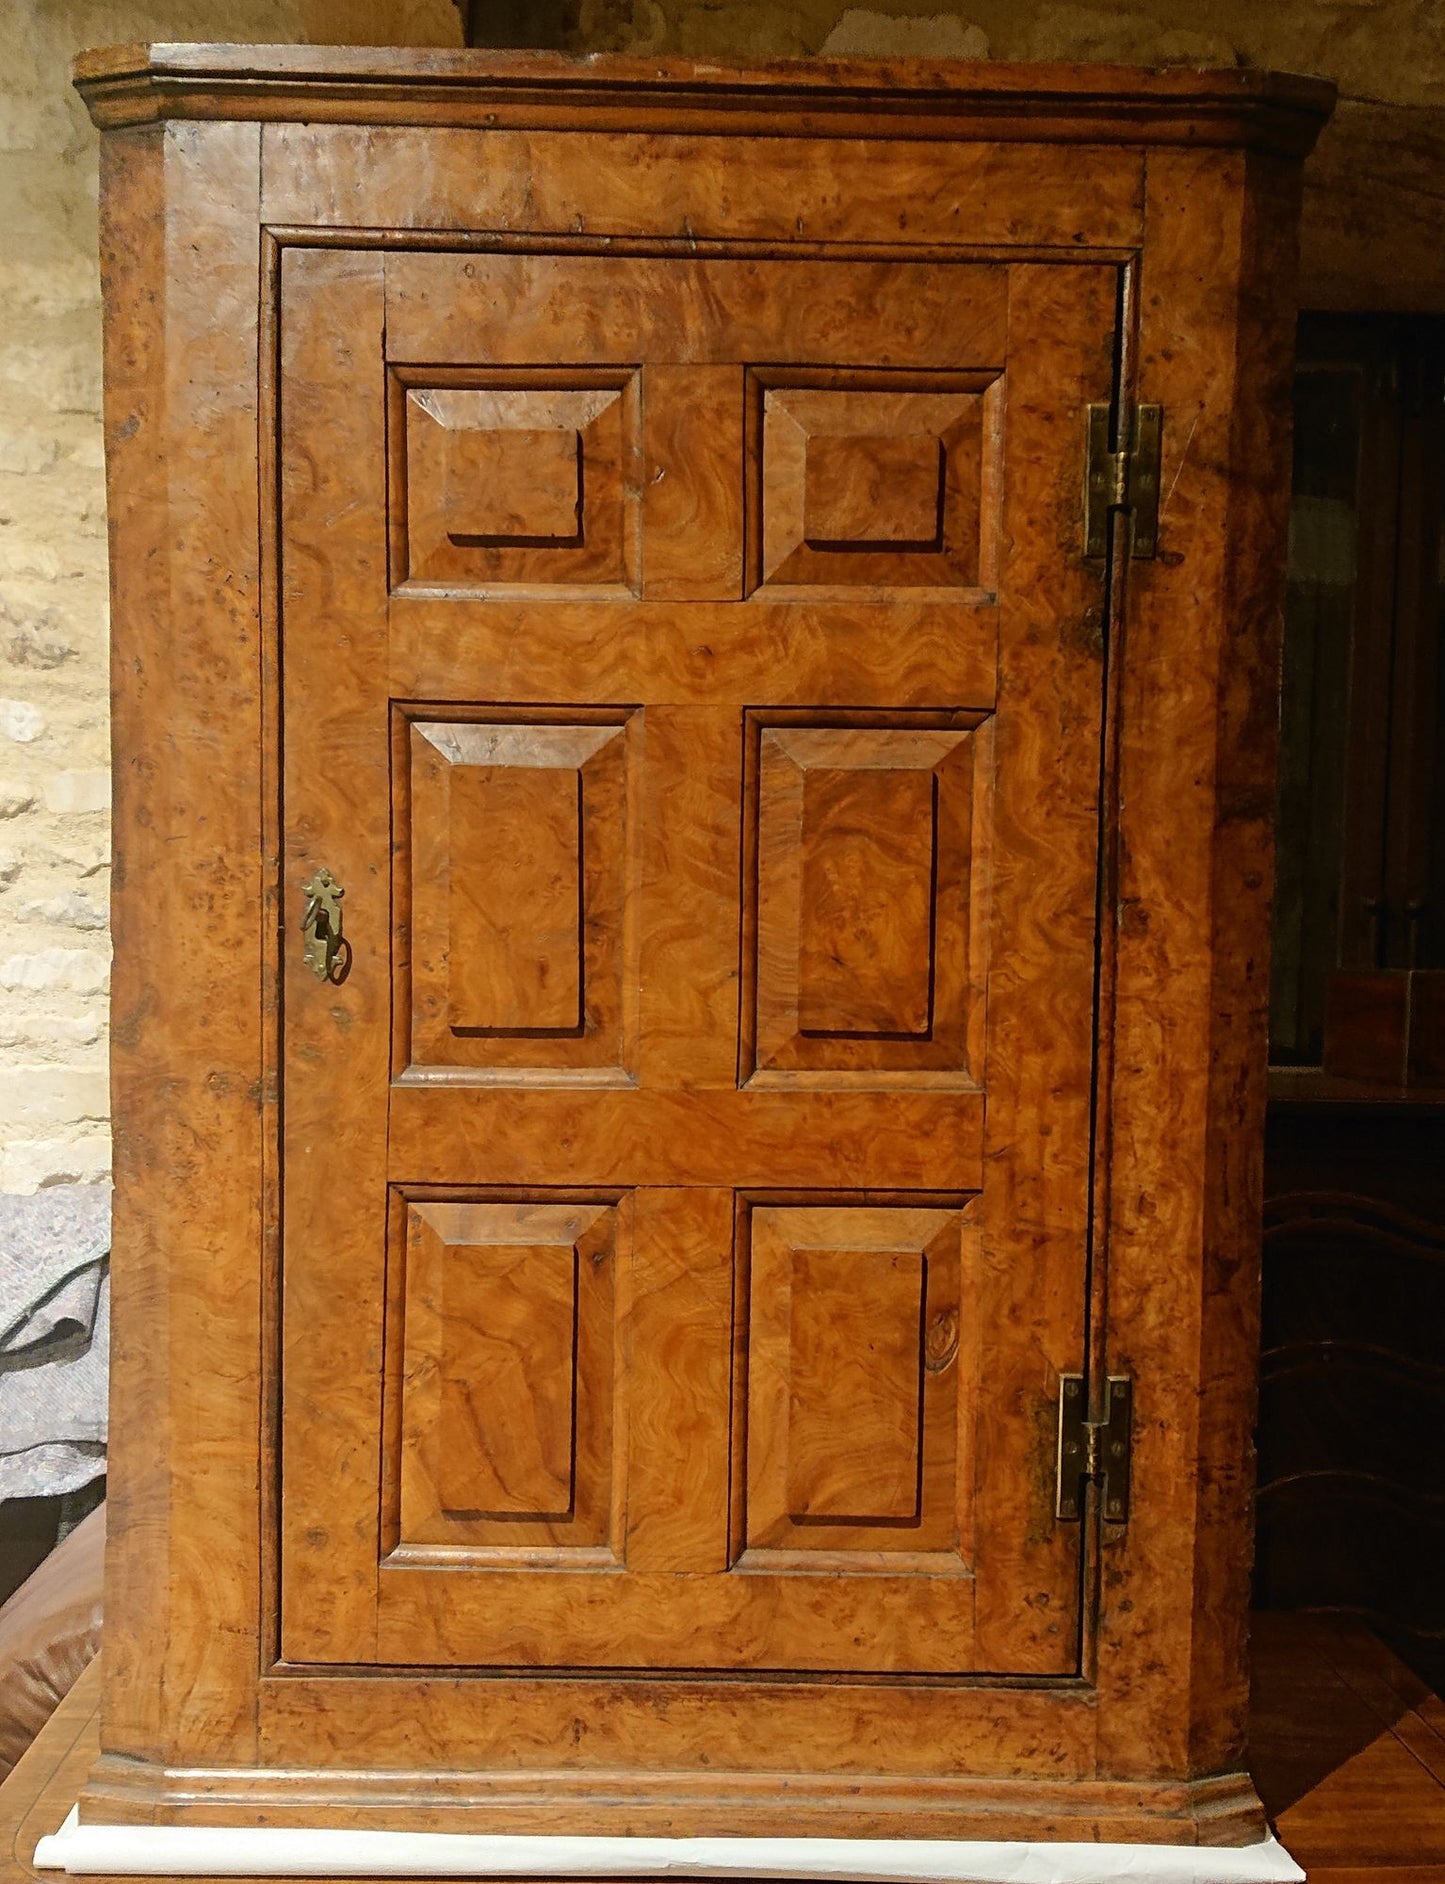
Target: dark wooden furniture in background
{"type": "Point", "coordinates": [1361, 860]}
{"type": "Point", "coordinates": [801, 994]}
{"type": "Point", "coordinates": [1352, 1477]}
{"type": "Point", "coordinates": [1352, 1385]}
{"type": "Point", "coordinates": [549, 24]}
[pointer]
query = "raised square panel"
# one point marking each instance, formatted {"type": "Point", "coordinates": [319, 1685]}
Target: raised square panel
{"type": "Point", "coordinates": [514, 859]}
{"type": "Point", "coordinates": [863, 918]}
{"type": "Point", "coordinates": [861, 483]}
{"type": "Point", "coordinates": [854, 1392]}
{"type": "Point", "coordinates": [503, 1415]}
{"type": "Point", "coordinates": [499, 481]}
{"type": "Point", "coordinates": [869, 489]}
{"type": "Point", "coordinates": [508, 484]}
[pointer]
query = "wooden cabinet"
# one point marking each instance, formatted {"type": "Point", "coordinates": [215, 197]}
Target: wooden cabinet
{"type": "Point", "coordinates": [688, 960]}
{"type": "Point", "coordinates": [1351, 1504]}
{"type": "Point", "coordinates": [1361, 878]}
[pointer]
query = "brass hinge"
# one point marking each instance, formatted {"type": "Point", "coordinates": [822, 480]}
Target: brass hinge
{"type": "Point", "coordinates": [1127, 480]}
{"type": "Point", "coordinates": [1094, 1449]}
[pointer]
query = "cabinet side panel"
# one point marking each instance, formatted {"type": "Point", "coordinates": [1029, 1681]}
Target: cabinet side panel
{"type": "Point", "coordinates": [188, 1088]}
{"type": "Point", "coordinates": [1248, 738]}
{"type": "Point", "coordinates": [132, 254]}
{"type": "Point", "coordinates": [1197, 762]}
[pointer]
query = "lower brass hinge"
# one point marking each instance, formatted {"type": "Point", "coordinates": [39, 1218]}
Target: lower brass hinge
{"type": "Point", "coordinates": [1094, 1449]}
{"type": "Point", "coordinates": [1126, 479]}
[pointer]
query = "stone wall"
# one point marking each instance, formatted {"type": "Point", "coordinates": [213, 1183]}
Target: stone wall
{"type": "Point", "coordinates": [1374, 233]}
{"type": "Point", "coordinates": [1375, 49]}
{"type": "Point", "coordinates": [54, 755]}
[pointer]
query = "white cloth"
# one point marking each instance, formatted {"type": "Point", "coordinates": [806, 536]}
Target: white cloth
{"type": "Point", "coordinates": [214, 1851]}
{"type": "Point", "coordinates": [54, 1339]}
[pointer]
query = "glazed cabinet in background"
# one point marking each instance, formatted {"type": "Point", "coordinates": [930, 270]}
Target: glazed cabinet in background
{"type": "Point", "coordinates": [690, 938]}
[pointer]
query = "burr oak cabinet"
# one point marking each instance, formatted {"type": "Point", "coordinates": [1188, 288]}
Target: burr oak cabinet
{"type": "Point", "coordinates": [694, 669]}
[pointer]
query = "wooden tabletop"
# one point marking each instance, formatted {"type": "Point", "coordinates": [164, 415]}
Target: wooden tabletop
{"type": "Point", "coordinates": [1349, 1757]}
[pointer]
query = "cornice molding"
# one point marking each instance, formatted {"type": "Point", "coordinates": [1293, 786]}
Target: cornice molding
{"type": "Point", "coordinates": [954, 100]}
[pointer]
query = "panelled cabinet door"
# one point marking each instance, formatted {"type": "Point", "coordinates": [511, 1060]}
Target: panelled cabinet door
{"type": "Point", "coordinates": [692, 678]}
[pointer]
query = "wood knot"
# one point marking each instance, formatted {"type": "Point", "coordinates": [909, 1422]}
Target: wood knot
{"type": "Point", "coordinates": [940, 1344]}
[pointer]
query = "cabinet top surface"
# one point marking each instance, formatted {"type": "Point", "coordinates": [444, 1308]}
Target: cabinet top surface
{"type": "Point", "coordinates": [880, 98]}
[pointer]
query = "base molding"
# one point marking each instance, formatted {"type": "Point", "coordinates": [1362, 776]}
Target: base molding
{"type": "Point", "coordinates": [1219, 1811]}
{"type": "Point", "coordinates": [189, 1851]}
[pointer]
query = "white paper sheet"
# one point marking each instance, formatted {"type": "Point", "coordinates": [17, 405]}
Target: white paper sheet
{"type": "Point", "coordinates": [208, 1851]}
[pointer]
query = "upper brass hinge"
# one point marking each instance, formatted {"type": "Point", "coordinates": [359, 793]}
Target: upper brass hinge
{"type": "Point", "coordinates": [1126, 480]}
{"type": "Point", "coordinates": [1094, 1449]}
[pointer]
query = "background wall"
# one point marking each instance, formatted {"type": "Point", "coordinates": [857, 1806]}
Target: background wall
{"type": "Point", "coordinates": [1374, 48]}
{"type": "Point", "coordinates": [1375, 235]}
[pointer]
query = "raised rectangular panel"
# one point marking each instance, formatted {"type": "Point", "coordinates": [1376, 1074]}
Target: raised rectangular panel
{"type": "Point", "coordinates": [514, 906]}
{"type": "Point", "coordinates": [503, 1416]}
{"type": "Point", "coordinates": [854, 1399]}
{"type": "Point", "coordinates": [866, 898]}
{"type": "Point", "coordinates": [864, 905]}
{"type": "Point", "coordinates": [509, 1315]}
{"type": "Point", "coordinates": [865, 483]}
{"type": "Point", "coordinates": [855, 1377]}
{"type": "Point", "coordinates": [500, 479]}
{"type": "Point", "coordinates": [514, 864]}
